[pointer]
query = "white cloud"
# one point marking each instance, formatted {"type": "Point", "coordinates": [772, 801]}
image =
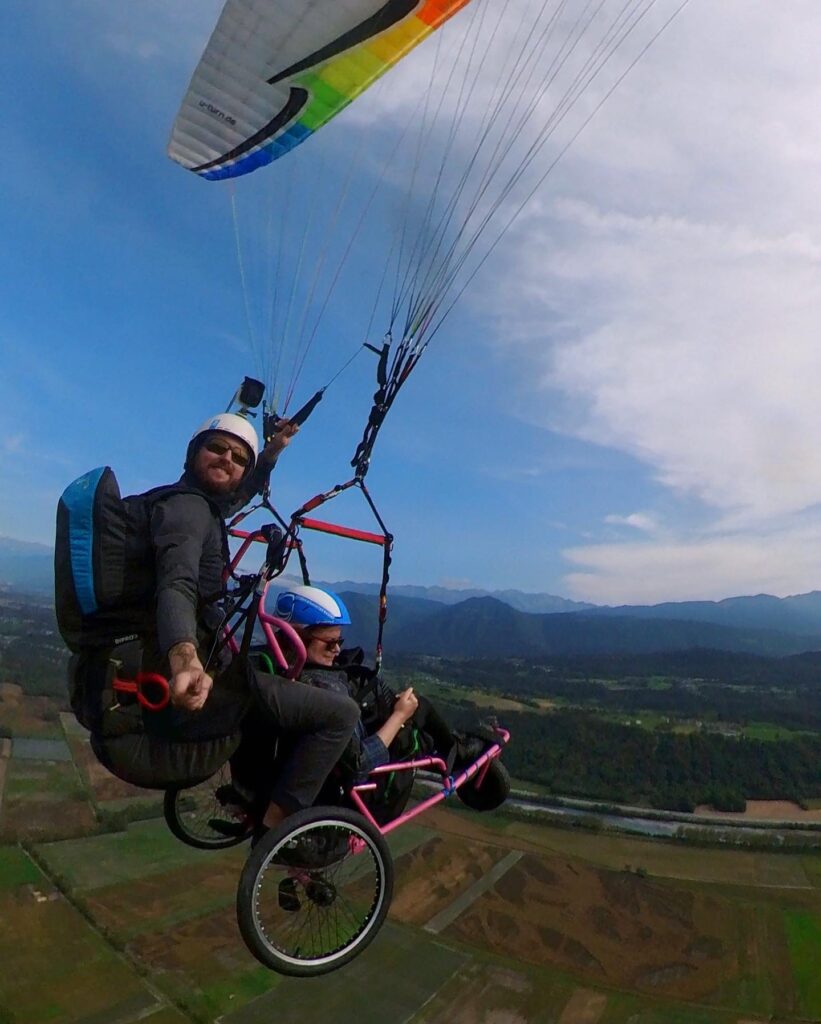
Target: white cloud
{"type": "Point", "coordinates": [779, 562]}
{"type": "Point", "coordinates": [636, 520]}
{"type": "Point", "coordinates": [705, 358]}
{"type": "Point", "coordinates": [667, 297]}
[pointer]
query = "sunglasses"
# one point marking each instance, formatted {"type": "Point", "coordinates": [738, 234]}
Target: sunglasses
{"type": "Point", "coordinates": [217, 447]}
{"type": "Point", "coordinates": [328, 644]}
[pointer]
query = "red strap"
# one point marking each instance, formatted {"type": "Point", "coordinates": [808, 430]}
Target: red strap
{"type": "Point", "coordinates": [141, 680]}
{"type": "Point", "coordinates": [342, 531]}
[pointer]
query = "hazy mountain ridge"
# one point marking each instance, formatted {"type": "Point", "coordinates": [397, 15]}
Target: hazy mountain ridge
{"type": "Point", "coordinates": [799, 614]}
{"type": "Point", "coordinates": [518, 599]}
{"type": "Point", "coordinates": [484, 627]}
{"type": "Point", "coordinates": [26, 566]}
{"type": "Point", "coordinates": [464, 623]}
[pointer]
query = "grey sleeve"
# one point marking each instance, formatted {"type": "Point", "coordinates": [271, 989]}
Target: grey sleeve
{"type": "Point", "coordinates": [181, 526]}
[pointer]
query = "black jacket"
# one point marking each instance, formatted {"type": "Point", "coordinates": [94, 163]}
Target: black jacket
{"type": "Point", "coordinates": [190, 549]}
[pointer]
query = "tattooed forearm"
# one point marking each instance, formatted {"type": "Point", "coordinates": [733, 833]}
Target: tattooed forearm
{"type": "Point", "coordinates": [183, 656]}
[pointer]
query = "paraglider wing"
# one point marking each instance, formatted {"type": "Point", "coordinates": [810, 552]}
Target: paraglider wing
{"type": "Point", "coordinates": [274, 71]}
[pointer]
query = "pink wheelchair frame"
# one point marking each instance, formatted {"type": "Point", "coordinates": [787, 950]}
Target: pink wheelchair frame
{"type": "Point", "coordinates": [272, 626]}
{"type": "Point", "coordinates": [310, 942]}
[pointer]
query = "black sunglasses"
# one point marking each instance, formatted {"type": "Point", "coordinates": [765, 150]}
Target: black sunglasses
{"type": "Point", "coordinates": [329, 644]}
{"type": "Point", "coordinates": [217, 447]}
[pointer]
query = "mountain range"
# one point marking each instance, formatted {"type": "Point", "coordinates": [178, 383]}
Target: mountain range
{"type": "Point", "coordinates": [518, 599]}
{"type": "Point", "coordinates": [26, 567]}
{"type": "Point", "coordinates": [463, 623]}
{"type": "Point", "coordinates": [486, 627]}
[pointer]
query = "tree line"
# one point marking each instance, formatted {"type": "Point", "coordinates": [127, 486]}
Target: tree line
{"type": "Point", "coordinates": [575, 753]}
{"type": "Point", "coordinates": [712, 685]}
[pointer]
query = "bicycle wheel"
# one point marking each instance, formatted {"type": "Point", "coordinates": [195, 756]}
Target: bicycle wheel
{"type": "Point", "coordinates": [492, 793]}
{"type": "Point", "coordinates": [315, 891]}
{"type": "Point", "coordinates": [194, 814]}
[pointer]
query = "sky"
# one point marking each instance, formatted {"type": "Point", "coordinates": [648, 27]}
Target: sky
{"type": "Point", "coordinates": [623, 406]}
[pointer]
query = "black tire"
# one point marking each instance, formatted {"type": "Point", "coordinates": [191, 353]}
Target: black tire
{"type": "Point", "coordinates": [188, 813]}
{"type": "Point", "coordinates": [492, 793]}
{"type": "Point", "coordinates": [305, 912]}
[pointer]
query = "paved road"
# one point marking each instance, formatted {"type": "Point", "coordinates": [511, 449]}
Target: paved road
{"type": "Point", "coordinates": [447, 916]}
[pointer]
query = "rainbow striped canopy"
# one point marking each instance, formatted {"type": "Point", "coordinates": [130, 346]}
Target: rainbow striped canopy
{"type": "Point", "coordinates": [276, 70]}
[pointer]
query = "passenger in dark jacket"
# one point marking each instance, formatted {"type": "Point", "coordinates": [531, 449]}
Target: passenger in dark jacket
{"type": "Point", "coordinates": [318, 616]}
{"type": "Point", "coordinates": [201, 728]}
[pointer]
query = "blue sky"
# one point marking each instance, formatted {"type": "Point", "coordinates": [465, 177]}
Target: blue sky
{"type": "Point", "coordinates": [623, 407]}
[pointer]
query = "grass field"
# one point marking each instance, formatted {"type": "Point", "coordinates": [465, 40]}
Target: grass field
{"type": "Point", "coordinates": [804, 939]}
{"type": "Point", "coordinates": [438, 691]}
{"type": "Point", "coordinates": [628, 1009]}
{"type": "Point", "coordinates": [165, 1015]}
{"type": "Point", "coordinates": [765, 731]}
{"type": "Point", "coordinates": [669, 860]}
{"type": "Point", "coordinates": [559, 939]}
{"type": "Point", "coordinates": [397, 974]}
{"type": "Point", "coordinates": [489, 990]}
{"type": "Point", "coordinates": [812, 868]}
{"type": "Point", "coordinates": [55, 967]}
{"type": "Point", "coordinates": [164, 900]}
{"type": "Point", "coordinates": [43, 780]}
{"type": "Point", "coordinates": [33, 717]}
{"type": "Point", "coordinates": [16, 868]}
{"type": "Point", "coordinates": [494, 991]}
{"type": "Point", "coordinates": [146, 848]}
{"type": "Point", "coordinates": [610, 928]}
{"type": "Point", "coordinates": [44, 799]}
{"type": "Point", "coordinates": [430, 877]}
{"type": "Point", "coordinates": [567, 935]}
{"type": "Point", "coordinates": [38, 820]}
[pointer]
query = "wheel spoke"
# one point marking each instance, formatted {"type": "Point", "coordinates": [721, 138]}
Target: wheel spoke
{"type": "Point", "coordinates": [303, 908]}
{"type": "Point", "coordinates": [190, 813]}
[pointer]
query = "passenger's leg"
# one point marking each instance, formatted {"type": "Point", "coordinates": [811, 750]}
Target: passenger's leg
{"type": "Point", "coordinates": [456, 748]}
{"type": "Point", "coordinates": [428, 719]}
{"type": "Point", "coordinates": [319, 724]}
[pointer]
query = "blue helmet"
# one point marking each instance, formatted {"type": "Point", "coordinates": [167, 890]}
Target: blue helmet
{"type": "Point", "coordinates": [311, 606]}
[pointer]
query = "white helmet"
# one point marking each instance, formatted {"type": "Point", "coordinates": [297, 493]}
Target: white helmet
{"type": "Point", "coordinates": [312, 606]}
{"type": "Point", "coordinates": [236, 426]}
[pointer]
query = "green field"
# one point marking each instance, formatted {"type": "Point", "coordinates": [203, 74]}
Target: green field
{"type": "Point", "coordinates": [42, 780]}
{"type": "Point", "coordinates": [803, 930]}
{"type": "Point", "coordinates": [812, 868]}
{"type": "Point", "coordinates": [166, 1015]}
{"type": "Point", "coordinates": [55, 966]}
{"type": "Point", "coordinates": [671, 860]}
{"type": "Point", "coordinates": [565, 930]}
{"type": "Point", "coordinates": [765, 731]}
{"type": "Point", "coordinates": [627, 1009]}
{"type": "Point", "coordinates": [146, 847]}
{"type": "Point", "coordinates": [16, 868]}
{"type": "Point", "coordinates": [582, 928]}
{"type": "Point", "coordinates": [398, 973]}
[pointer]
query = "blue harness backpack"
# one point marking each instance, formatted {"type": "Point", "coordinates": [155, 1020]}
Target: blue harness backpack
{"type": "Point", "coordinates": [104, 573]}
{"type": "Point", "coordinates": [97, 596]}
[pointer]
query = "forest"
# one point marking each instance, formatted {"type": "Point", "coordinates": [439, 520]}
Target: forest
{"type": "Point", "coordinates": [575, 753]}
{"type": "Point", "coordinates": [715, 686]}
{"type": "Point", "coordinates": [575, 747]}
